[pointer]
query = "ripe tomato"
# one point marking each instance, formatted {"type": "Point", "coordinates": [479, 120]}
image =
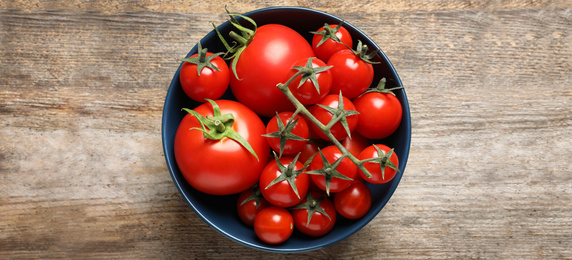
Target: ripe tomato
{"type": "Point", "coordinates": [332, 180]}
{"type": "Point", "coordinates": [327, 48]}
{"type": "Point", "coordinates": [293, 136]}
{"type": "Point", "coordinates": [315, 216]}
{"type": "Point", "coordinates": [383, 170]}
{"type": "Point", "coordinates": [221, 167]}
{"type": "Point", "coordinates": [355, 145]}
{"type": "Point", "coordinates": [249, 203]}
{"type": "Point", "coordinates": [273, 225]}
{"type": "Point", "coordinates": [309, 150]}
{"type": "Point", "coordinates": [379, 114]}
{"type": "Point", "coordinates": [350, 74]}
{"type": "Point", "coordinates": [307, 93]}
{"type": "Point", "coordinates": [324, 116]}
{"type": "Point", "coordinates": [281, 193]}
{"type": "Point", "coordinates": [263, 64]}
{"type": "Point", "coordinates": [210, 84]}
{"type": "Point", "coordinates": [353, 202]}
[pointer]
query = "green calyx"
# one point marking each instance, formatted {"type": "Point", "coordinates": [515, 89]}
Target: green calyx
{"type": "Point", "coordinates": [288, 173]}
{"type": "Point", "coordinates": [219, 126]}
{"type": "Point", "coordinates": [312, 205]}
{"type": "Point", "coordinates": [383, 160]}
{"type": "Point", "coordinates": [329, 171]}
{"type": "Point", "coordinates": [202, 60]}
{"type": "Point", "coordinates": [309, 72]}
{"type": "Point", "coordinates": [285, 132]}
{"type": "Point", "coordinates": [339, 114]}
{"type": "Point", "coordinates": [361, 51]}
{"type": "Point", "coordinates": [241, 39]}
{"type": "Point", "coordinates": [256, 196]}
{"type": "Point", "coordinates": [328, 33]}
{"type": "Point", "coordinates": [381, 88]}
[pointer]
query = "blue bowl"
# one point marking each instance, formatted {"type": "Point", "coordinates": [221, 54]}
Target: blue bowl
{"type": "Point", "coordinates": [220, 211]}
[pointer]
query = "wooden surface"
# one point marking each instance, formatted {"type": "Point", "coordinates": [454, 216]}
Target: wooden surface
{"type": "Point", "coordinates": [82, 171]}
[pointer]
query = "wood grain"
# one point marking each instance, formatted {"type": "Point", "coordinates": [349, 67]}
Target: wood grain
{"type": "Point", "coordinates": [82, 171]}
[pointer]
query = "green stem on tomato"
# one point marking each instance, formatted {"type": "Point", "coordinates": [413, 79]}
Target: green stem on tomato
{"type": "Point", "coordinates": [300, 108]}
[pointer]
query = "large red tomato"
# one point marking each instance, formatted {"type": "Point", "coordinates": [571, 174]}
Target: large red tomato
{"type": "Point", "coordinates": [221, 167]}
{"type": "Point", "coordinates": [263, 64]}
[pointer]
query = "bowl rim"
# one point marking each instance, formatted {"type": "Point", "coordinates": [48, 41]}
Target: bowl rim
{"type": "Point", "coordinates": [406, 113]}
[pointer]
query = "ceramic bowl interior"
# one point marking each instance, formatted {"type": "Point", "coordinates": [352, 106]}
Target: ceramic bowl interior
{"type": "Point", "coordinates": [220, 211]}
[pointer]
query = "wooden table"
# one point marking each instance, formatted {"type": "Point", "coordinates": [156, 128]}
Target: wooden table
{"type": "Point", "coordinates": [82, 170]}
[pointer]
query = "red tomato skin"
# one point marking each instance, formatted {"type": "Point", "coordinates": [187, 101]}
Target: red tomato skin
{"type": "Point", "coordinates": [281, 193]}
{"type": "Point", "coordinates": [379, 114]}
{"type": "Point", "coordinates": [325, 116]}
{"type": "Point", "coordinates": [350, 74]}
{"type": "Point", "coordinates": [355, 145]}
{"type": "Point", "coordinates": [307, 93]}
{"type": "Point", "coordinates": [353, 202]}
{"type": "Point", "coordinates": [247, 211]}
{"type": "Point", "coordinates": [320, 224]}
{"type": "Point", "coordinates": [263, 64]}
{"type": "Point", "coordinates": [329, 47]}
{"type": "Point", "coordinates": [346, 168]}
{"type": "Point", "coordinates": [211, 84]}
{"type": "Point", "coordinates": [199, 159]}
{"type": "Point", "coordinates": [374, 168]}
{"type": "Point", "coordinates": [291, 147]}
{"type": "Point", "coordinates": [307, 151]}
{"type": "Point", "coordinates": [273, 225]}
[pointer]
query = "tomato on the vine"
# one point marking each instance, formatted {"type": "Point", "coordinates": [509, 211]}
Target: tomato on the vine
{"type": "Point", "coordinates": [249, 203]}
{"type": "Point", "coordinates": [273, 225]}
{"type": "Point", "coordinates": [351, 74]}
{"type": "Point", "coordinates": [224, 166]}
{"type": "Point", "coordinates": [315, 215]}
{"type": "Point", "coordinates": [330, 172]}
{"type": "Point", "coordinates": [353, 202]}
{"type": "Point", "coordinates": [380, 113]}
{"type": "Point", "coordinates": [285, 134]}
{"type": "Point", "coordinates": [384, 168]}
{"type": "Point", "coordinates": [263, 64]}
{"type": "Point", "coordinates": [330, 39]}
{"type": "Point", "coordinates": [284, 184]}
{"type": "Point", "coordinates": [355, 145]}
{"type": "Point", "coordinates": [204, 75]}
{"type": "Point", "coordinates": [329, 107]}
{"type": "Point", "coordinates": [314, 83]}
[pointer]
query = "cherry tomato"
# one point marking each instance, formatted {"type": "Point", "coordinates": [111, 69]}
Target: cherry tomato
{"type": "Point", "coordinates": [339, 179]}
{"type": "Point", "coordinates": [325, 50]}
{"type": "Point", "coordinates": [350, 74]}
{"type": "Point", "coordinates": [210, 84]}
{"type": "Point", "coordinates": [353, 202]}
{"type": "Point", "coordinates": [249, 203]}
{"type": "Point", "coordinates": [263, 64]}
{"type": "Point", "coordinates": [324, 116]}
{"type": "Point", "coordinates": [315, 204]}
{"type": "Point", "coordinates": [275, 132]}
{"type": "Point", "coordinates": [307, 93]}
{"type": "Point", "coordinates": [282, 194]}
{"type": "Point", "coordinates": [379, 114]}
{"type": "Point", "coordinates": [374, 168]}
{"type": "Point", "coordinates": [221, 167]}
{"type": "Point", "coordinates": [273, 225]}
{"type": "Point", "coordinates": [355, 145]}
{"type": "Point", "coordinates": [309, 150]}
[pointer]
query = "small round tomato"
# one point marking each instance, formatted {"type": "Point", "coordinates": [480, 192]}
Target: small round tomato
{"type": "Point", "coordinates": [306, 92]}
{"type": "Point", "coordinates": [351, 75]}
{"type": "Point", "coordinates": [355, 145]}
{"type": "Point", "coordinates": [325, 48]}
{"type": "Point", "coordinates": [249, 203]}
{"type": "Point", "coordinates": [353, 202]}
{"type": "Point", "coordinates": [379, 114]}
{"type": "Point", "coordinates": [286, 178]}
{"type": "Point", "coordinates": [384, 169]}
{"type": "Point", "coordinates": [322, 215]}
{"type": "Point", "coordinates": [309, 150]}
{"type": "Point", "coordinates": [324, 116]}
{"type": "Point", "coordinates": [327, 178]}
{"type": "Point", "coordinates": [294, 136]}
{"type": "Point", "coordinates": [199, 78]}
{"type": "Point", "coordinates": [273, 225]}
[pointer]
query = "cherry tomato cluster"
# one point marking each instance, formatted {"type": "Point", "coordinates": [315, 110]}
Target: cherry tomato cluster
{"type": "Point", "coordinates": [312, 159]}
